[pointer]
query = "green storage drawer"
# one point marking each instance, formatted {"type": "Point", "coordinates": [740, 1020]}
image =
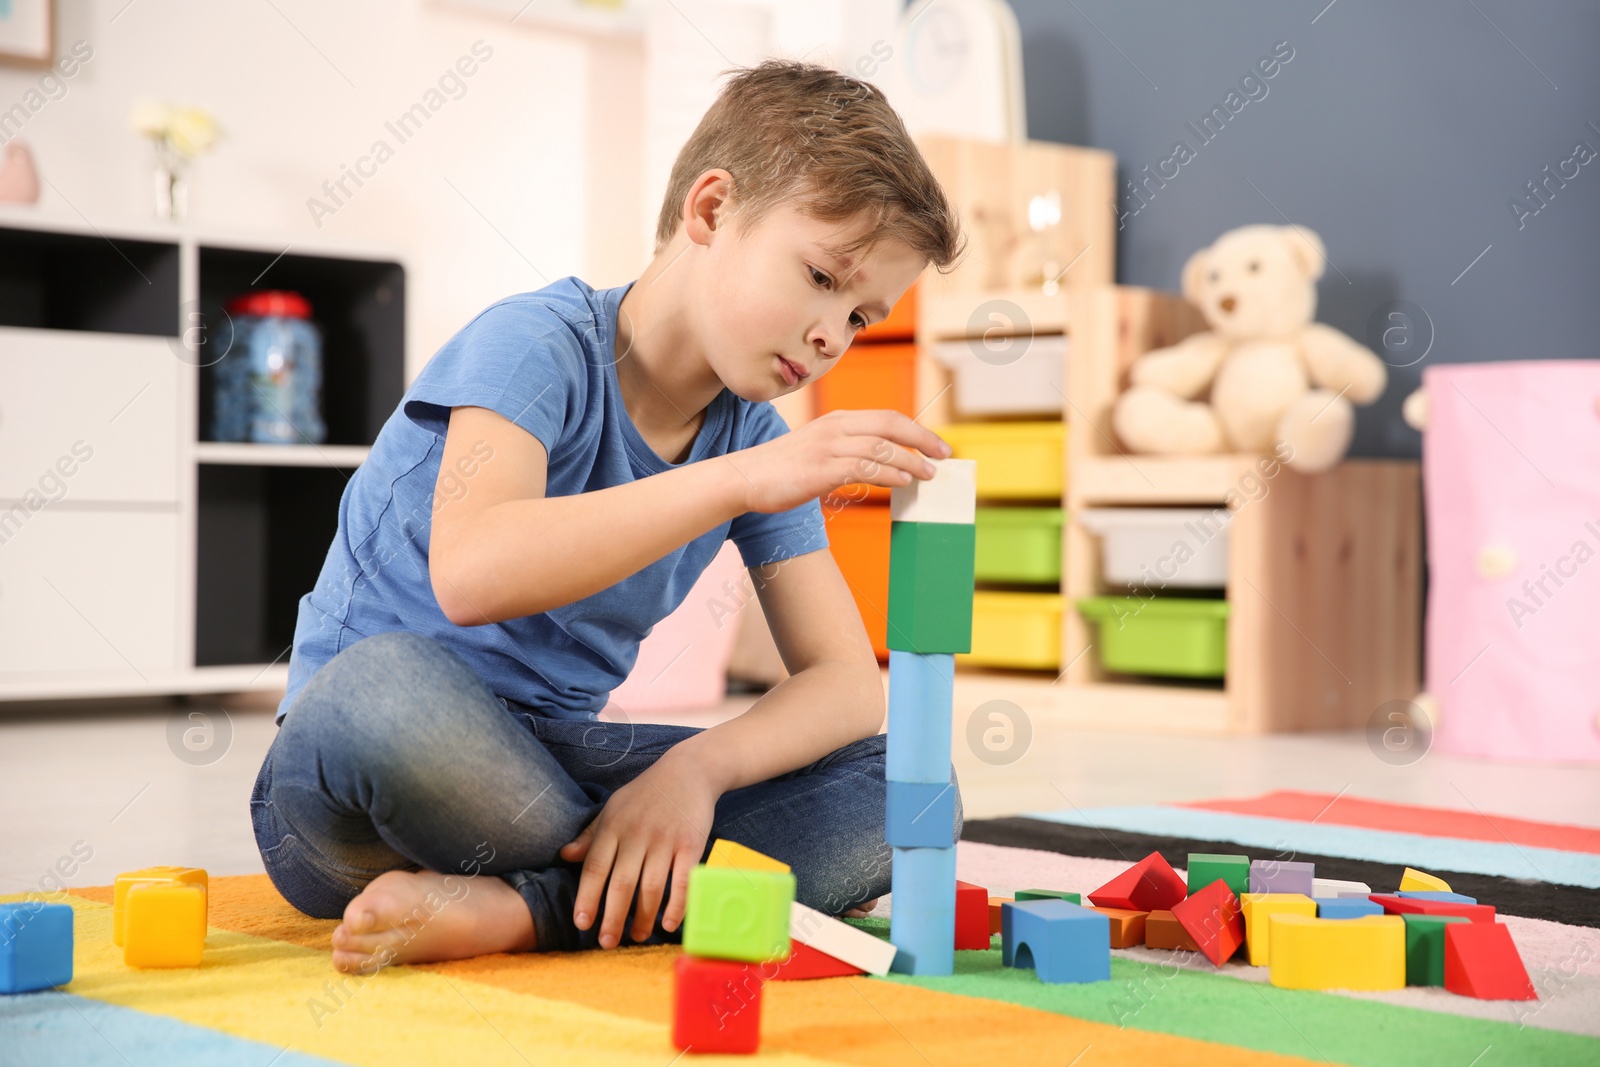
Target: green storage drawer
{"type": "Point", "coordinates": [1182, 636]}
{"type": "Point", "coordinates": [1019, 545]}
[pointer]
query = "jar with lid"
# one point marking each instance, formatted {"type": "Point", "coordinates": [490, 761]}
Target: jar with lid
{"type": "Point", "coordinates": [269, 384]}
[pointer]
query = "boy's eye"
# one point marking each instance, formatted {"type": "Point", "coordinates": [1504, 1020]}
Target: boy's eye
{"type": "Point", "coordinates": [819, 277]}
{"type": "Point", "coordinates": [857, 321]}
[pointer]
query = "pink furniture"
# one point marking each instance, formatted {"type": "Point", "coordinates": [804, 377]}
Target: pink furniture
{"type": "Point", "coordinates": [1511, 476]}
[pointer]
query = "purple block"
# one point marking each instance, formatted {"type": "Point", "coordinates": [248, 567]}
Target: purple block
{"type": "Point", "coordinates": [1281, 876]}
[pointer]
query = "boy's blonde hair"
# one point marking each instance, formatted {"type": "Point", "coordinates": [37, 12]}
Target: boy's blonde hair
{"type": "Point", "coordinates": [828, 144]}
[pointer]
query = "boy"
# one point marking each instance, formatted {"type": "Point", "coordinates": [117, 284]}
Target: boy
{"type": "Point", "coordinates": [551, 485]}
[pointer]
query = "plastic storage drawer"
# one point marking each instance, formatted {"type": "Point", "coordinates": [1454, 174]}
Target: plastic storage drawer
{"type": "Point", "coordinates": [1152, 547]}
{"type": "Point", "coordinates": [1179, 636]}
{"type": "Point", "coordinates": [1015, 630]}
{"type": "Point", "coordinates": [1014, 376]}
{"type": "Point", "coordinates": [1016, 460]}
{"type": "Point", "coordinates": [1019, 545]}
{"type": "Point", "coordinates": [870, 376]}
{"type": "Point", "coordinates": [858, 536]}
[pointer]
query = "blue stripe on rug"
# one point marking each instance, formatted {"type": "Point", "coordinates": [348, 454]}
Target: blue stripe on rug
{"type": "Point", "coordinates": [1413, 850]}
{"type": "Point", "coordinates": [55, 1029]}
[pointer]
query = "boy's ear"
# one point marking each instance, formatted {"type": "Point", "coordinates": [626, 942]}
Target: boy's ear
{"type": "Point", "coordinates": [707, 205]}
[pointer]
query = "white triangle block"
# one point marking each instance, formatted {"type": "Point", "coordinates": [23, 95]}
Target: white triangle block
{"type": "Point", "coordinates": [951, 495]}
{"type": "Point", "coordinates": [840, 940]}
{"type": "Point", "coordinates": [1334, 887]}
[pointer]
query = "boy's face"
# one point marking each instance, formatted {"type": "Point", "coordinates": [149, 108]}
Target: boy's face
{"type": "Point", "coordinates": [778, 310]}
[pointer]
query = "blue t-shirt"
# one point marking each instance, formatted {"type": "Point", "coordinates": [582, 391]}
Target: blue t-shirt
{"type": "Point", "coordinates": [545, 361]}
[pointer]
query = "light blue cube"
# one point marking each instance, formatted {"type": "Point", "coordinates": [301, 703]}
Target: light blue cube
{"type": "Point", "coordinates": [921, 699]}
{"type": "Point", "coordinates": [922, 921]}
{"type": "Point", "coordinates": [1431, 894]}
{"type": "Point", "coordinates": [1346, 907]}
{"type": "Point", "coordinates": [35, 946]}
{"type": "Point", "coordinates": [920, 815]}
{"type": "Point", "coordinates": [1060, 940]}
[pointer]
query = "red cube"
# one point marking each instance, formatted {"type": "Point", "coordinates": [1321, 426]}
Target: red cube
{"type": "Point", "coordinates": [1212, 917]}
{"type": "Point", "coordinates": [972, 915]}
{"type": "Point", "coordinates": [716, 1005]}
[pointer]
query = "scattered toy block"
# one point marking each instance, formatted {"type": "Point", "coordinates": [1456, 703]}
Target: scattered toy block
{"type": "Point", "coordinates": [1338, 887]}
{"type": "Point", "coordinates": [1212, 918]}
{"type": "Point", "coordinates": [119, 891]}
{"type": "Point", "coordinates": [1454, 898]}
{"type": "Point", "coordinates": [840, 940]}
{"type": "Point", "coordinates": [716, 1005]}
{"type": "Point", "coordinates": [920, 815]}
{"type": "Point", "coordinates": [1206, 867]}
{"type": "Point", "coordinates": [972, 916]}
{"type": "Point", "coordinates": [1149, 885]}
{"type": "Point", "coordinates": [1282, 876]}
{"type": "Point", "coordinates": [1425, 947]}
{"type": "Point", "coordinates": [922, 926]}
{"type": "Point", "coordinates": [805, 962]}
{"type": "Point", "coordinates": [921, 694]}
{"type": "Point", "coordinates": [1393, 905]}
{"type": "Point", "coordinates": [1346, 907]}
{"type": "Point", "coordinates": [35, 946]}
{"type": "Point", "coordinates": [1258, 909]}
{"type": "Point", "coordinates": [994, 913]}
{"type": "Point", "coordinates": [1163, 930]}
{"type": "Point", "coordinates": [1060, 940]}
{"type": "Point", "coordinates": [1412, 880]}
{"type": "Point", "coordinates": [949, 496]}
{"type": "Point", "coordinates": [931, 566]}
{"type": "Point", "coordinates": [1048, 894]}
{"type": "Point", "coordinates": [1360, 954]}
{"type": "Point", "coordinates": [1481, 961]}
{"type": "Point", "coordinates": [1127, 927]}
{"type": "Point", "coordinates": [725, 853]}
{"type": "Point", "coordinates": [164, 924]}
{"type": "Point", "coordinates": [737, 914]}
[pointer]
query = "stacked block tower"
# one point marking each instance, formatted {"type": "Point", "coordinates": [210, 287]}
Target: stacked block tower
{"type": "Point", "coordinates": [932, 544]}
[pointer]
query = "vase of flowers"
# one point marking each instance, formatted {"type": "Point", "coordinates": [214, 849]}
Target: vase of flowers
{"type": "Point", "coordinates": [179, 133]}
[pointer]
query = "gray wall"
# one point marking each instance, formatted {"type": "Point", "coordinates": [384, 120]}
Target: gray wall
{"type": "Point", "coordinates": [1399, 131]}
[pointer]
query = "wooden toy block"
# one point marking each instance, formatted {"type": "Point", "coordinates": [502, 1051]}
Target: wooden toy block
{"type": "Point", "coordinates": [1425, 947]}
{"type": "Point", "coordinates": [931, 566]}
{"type": "Point", "coordinates": [164, 924]}
{"type": "Point", "coordinates": [1163, 930]}
{"type": "Point", "coordinates": [1481, 961]}
{"type": "Point", "coordinates": [119, 891]}
{"type": "Point", "coordinates": [1060, 940]}
{"type": "Point", "coordinates": [716, 1005]}
{"type": "Point", "coordinates": [1361, 954]}
{"type": "Point", "coordinates": [35, 946]}
{"type": "Point", "coordinates": [921, 696]}
{"type": "Point", "coordinates": [951, 495]}
{"type": "Point", "coordinates": [1393, 905]}
{"type": "Point", "coordinates": [1206, 867]}
{"type": "Point", "coordinates": [922, 925]}
{"type": "Point", "coordinates": [994, 913]}
{"type": "Point", "coordinates": [1346, 907]}
{"type": "Point", "coordinates": [1149, 885]}
{"type": "Point", "coordinates": [840, 940]}
{"type": "Point", "coordinates": [725, 853]}
{"type": "Point", "coordinates": [1452, 898]}
{"type": "Point", "coordinates": [920, 815]}
{"type": "Point", "coordinates": [1412, 880]}
{"type": "Point", "coordinates": [805, 962]}
{"type": "Point", "coordinates": [1127, 927]}
{"type": "Point", "coordinates": [1336, 887]}
{"type": "Point", "coordinates": [1258, 908]}
{"type": "Point", "coordinates": [736, 914]}
{"type": "Point", "coordinates": [1282, 876]}
{"type": "Point", "coordinates": [972, 916]}
{"type": "Point", "coordinates": [1212, 918]}
{"type": "Point", "coordinates": [1048, 894]}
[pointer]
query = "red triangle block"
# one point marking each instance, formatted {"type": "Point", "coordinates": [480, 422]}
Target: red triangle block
{"type": "Point", "coordinates": [1393, 905]}
{"type": "Point", "coordinates": [1149, 885]}
{"type": "Point", "coordinates": [807, 962]}
{"type": "Point", "coordinates": [972, 916]}
{"type": "Point", "coordinates": [1212, 917]}
{"type": "Point", "coordinates": [1481, 960]}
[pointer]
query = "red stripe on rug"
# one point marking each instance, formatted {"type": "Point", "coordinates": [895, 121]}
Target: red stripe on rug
{"type": "Point", "coordinates": [1408, 819]}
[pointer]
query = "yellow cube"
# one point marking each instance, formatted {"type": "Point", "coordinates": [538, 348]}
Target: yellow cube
{"type": "Point", "coordinates": [165, 925]}
{"type": "Point", "coordinates": [725, 853]}
{"type": "Point", "coordinates": [1259, 908]}
{"type": "Point", "coordinates": [1415, 881]}
{"type": "Point", "coordinates": [119, 893]}
{"type": "Point", "coordinates": [1368, 953]}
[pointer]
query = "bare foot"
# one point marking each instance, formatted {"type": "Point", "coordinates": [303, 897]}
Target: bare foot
{"type": "Point", "coordinates": [860, 910]}
{"type": "Point", "coordinates": [423, 916]}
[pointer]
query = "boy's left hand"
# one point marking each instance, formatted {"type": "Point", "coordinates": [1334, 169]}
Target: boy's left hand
{"type": "Point", "coordinates": [654, 827]}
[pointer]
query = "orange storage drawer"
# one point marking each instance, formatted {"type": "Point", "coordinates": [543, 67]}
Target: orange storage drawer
{"type": "Point", "coordinates": [858, 536]}
{"type": "Point", "coordinates": [871, 376]}
{"type": "Point", "coordinates": [901, 325]}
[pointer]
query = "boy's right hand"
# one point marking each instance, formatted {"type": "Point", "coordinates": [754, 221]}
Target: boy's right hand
{"type": "Point", "coordinates": [840, 448]}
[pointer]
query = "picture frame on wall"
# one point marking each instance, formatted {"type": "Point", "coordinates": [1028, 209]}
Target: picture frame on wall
{"type": "Point", "coordinates": [27, 32]}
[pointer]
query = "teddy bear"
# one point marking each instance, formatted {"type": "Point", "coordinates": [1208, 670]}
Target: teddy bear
{"type": "Point", "coordinates": [1265, 376]}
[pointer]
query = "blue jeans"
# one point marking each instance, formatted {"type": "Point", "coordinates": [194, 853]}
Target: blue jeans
{"type": "Point", "coordinates": [397, 756]}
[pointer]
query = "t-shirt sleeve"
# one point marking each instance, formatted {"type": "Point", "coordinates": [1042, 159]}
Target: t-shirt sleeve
{"type": "Point", "coordinates": [512, 360]}
{"type": "Point", "coordinates": [765, 537]}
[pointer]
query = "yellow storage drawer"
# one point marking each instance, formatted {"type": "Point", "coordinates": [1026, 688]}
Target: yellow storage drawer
{"type": "Point", "coordinates": [1016, 460]}
{"type": "Point", "coordinates": [1015, 630]}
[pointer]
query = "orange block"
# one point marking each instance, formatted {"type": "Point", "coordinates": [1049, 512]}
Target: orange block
{"type": "Point", "coordinates": [1162, 930]}
{"type": "Point", "coordinates": [871, 376]}
{"type": "Point", "coordinates": [1127, 927]}
{"type": "Point", "coordinates": [858, 536]}
{"type": "Point", "coordinates": [994, 913]}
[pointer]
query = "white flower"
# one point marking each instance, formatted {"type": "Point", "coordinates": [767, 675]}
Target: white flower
{"type": "Point", "coordinates": [150, 118]}
{"type": "Point", "coordinates": [192, 130]}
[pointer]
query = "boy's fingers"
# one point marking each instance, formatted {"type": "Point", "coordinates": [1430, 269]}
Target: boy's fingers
{"type": "Point", "coordinates": [903, 430]}
{"type": "Point", "coordinates": [596, 868]}
{"type": "Point", "coordinates": [619, 895]}
{"type": "Point", "coordinates": [652, 885]}
{"type": "Point", "coordinates": [678, 901]}
{"type": "Point", "coordinates": [880, 462]}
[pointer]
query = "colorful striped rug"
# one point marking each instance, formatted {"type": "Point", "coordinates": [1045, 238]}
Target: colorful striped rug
{"type": "Point", "coordinates": [266, 993]}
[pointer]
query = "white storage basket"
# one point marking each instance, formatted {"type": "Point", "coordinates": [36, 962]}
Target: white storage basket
{"type": "Point", "coordinates": [1010, 376]}
{"type": "Point", "coordinates": [1153, 547]}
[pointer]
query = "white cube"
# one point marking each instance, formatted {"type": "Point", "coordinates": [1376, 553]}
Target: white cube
{"type": "Point", "coordinates": [951, 495]}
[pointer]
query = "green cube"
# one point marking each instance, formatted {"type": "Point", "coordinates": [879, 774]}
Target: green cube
{"type": "Point", "coordinates": [1207, 867]}
{"type": "Point", "coordinates": [738, 914]}
{"type": "Point", "coordinates": [930, 586]}
{"type": "Point", "coordinates": [1048, 894]}
{"type": "Point", "coordinates": [1425, 947]}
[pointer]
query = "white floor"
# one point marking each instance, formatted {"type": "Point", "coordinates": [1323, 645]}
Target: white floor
{"type": "Point", "coordinates": [93, 788]}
